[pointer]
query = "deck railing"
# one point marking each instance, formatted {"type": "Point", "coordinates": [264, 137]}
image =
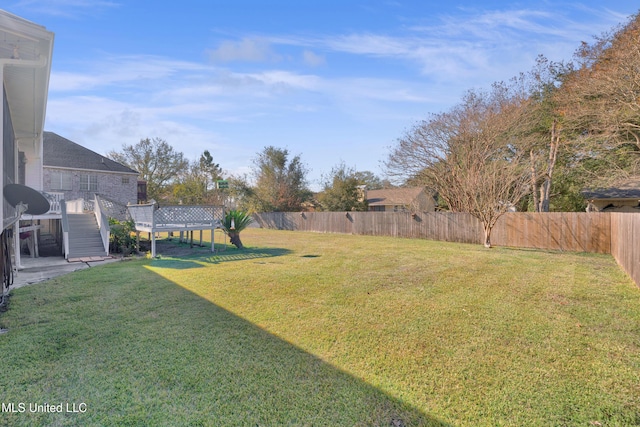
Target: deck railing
{"type": "Point", "coordinates": [103, 222]}
{"type": "Point", "coordinates": [65, 228]}
{"type": "Point", "coordinates": [54, 201]}
{"type": "Point", "coordinates": [149, 218]}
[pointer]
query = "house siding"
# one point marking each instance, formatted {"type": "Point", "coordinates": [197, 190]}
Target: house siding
{"type": "Point", "coordinates": [400, 200]}
{"type": "Point", "coordinates": [425, 202]}
{"type": "Point", "coordinates": [7, 152]}
{"type": "Point", "coordinates": [110, 185]}
{"type": "Point", "coordinates": [33, 166]}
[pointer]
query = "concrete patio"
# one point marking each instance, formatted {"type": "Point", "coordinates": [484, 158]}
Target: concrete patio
{"type": "Point", "coordinates": [44, 268]}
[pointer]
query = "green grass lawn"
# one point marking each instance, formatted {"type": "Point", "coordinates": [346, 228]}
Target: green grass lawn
{"type": "Point", "coordinates": [307, 329]}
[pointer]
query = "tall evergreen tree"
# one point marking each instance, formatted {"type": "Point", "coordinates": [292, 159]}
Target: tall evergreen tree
{"type": "Point", "coordinates": [280, 182]}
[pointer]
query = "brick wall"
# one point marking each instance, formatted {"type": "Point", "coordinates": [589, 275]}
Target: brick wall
{"type": "Point", "coordinates": [110, 185]}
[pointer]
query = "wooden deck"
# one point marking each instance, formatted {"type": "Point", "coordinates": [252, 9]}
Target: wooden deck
{"type": "Point", "coordinates": [179, 218]}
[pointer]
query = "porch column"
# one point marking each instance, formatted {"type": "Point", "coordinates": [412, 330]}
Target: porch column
{"type": "Point", "coordinates": [153, 244]}
{"type": "Point", "coordinates": [16, 245]}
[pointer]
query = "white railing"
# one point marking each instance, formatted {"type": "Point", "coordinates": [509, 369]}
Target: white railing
{"type": "Point", "coordinates": [142, 215]}
{"type": "Point", "coordinates": [65, 228]}
{"type": "Point", "coordinates": [75, 206]}
{"type": "Point", "coordinates": [103, 222]}
{"type": "Point", "coordinates": [149, 218]}
{"type": "Point", "coordinates": [54, 201]}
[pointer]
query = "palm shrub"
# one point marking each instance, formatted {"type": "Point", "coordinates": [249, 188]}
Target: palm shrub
{"type": "Point", "coordinates": [234, 222]}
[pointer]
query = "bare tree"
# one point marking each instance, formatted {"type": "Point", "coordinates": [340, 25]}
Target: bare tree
{"type": "Point", "coordinates": [468, 156]}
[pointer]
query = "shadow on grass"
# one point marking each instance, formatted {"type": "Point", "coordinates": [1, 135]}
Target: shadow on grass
{"type": "Point", "coordinates": [245, 254]}
{"type": "Point", "coordinates": [196, 260]}
{"type": "Point", "coordinates": [159, 354]}
{"type": "Point", "coordinates": [175, 263]}
{"type": "Point", "coordinates": [180, 255]}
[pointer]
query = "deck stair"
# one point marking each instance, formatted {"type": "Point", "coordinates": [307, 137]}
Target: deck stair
{"type": "Point", "coordinates": [84, 237]}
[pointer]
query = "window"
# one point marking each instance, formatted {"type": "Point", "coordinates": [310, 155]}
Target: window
{"type": "Point", "coordinates": [125, 180]}
{"type": "Point", "coordinates": [88, 182]}
{"type": "Point", "coordinates": [61, 181]}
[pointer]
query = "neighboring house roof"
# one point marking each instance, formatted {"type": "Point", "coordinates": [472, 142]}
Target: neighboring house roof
{"type": "Point", "coordinates": [612, 193]}
{"type": "Point", "coordinates": [63, 153]}
{"type": "Point", "coordinates": [393, 196]}
{"type": "Point", "coordinates": [629, 189]}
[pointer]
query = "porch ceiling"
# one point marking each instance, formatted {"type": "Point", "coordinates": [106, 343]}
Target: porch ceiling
{"type": "Point", "coordinates": [25, 55]}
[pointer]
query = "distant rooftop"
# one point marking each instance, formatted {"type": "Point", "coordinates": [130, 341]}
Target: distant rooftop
{"type": "Point", "coordinates": [392, 196]}
{"type": "Point", "coordinates": [629, 189]}
{"type": "Point", "coordinates": [63, 153]}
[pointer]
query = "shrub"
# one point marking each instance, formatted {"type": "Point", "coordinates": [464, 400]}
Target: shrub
{"type": "Point", "coordinates": [120, 239]}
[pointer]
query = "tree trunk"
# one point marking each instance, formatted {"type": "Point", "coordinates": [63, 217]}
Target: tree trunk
{"type": "Point", "coordinates": [235, 240]}
{"type": "Point", "coordinates": [542, 193]}
{"type": "Point", "coordinates": [487, 235]}
{"type": "Point", "coordinates": [534, 182]}
{"type": "Point", "coordinates": [545, 190]}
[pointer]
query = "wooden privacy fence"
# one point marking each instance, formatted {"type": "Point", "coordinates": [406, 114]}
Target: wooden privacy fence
{"type": "Point", "coordinates": [565, 231]}
{"type": "Point", "coordinates": [625, 246]}
{"type": "Point", "coordinates": [570, 231]}
{"type": "Point", "coordinates": [614, 233]}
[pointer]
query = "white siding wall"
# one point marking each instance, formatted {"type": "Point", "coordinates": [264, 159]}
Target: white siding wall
{"type": "Point", "coordinates": [33, 169]}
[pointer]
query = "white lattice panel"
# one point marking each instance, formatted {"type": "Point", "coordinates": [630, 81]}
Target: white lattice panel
{"type": "Point", "coordinates": [176, 217]}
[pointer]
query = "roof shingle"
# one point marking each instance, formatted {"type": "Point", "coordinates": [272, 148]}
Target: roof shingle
{"type": "Point", "coordinates": [392, 196]}
{"type": "Point", "coordinates": [63, 153]}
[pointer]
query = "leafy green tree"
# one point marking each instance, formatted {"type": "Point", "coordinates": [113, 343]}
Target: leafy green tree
{"type": "Point", "coordinates": [240, 194]}
{"type": "Point", "coordinates": [191, 187]}
{"type": "Point", "coordinates": [342, 191]}
{"type": "Point", "coordinates": [370, 180]}
{"type": "Point", "coordinates": [211, 171]}
{"type": "Point", "coordinates": [196, 184]}
{"type": "Point", "coordinates": [280, 182]}
{"type": "Point", "coordinates": [156, 161]}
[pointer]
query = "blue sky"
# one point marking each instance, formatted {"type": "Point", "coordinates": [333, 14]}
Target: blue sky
{"type": "Point", "coordinates": [331, 80]}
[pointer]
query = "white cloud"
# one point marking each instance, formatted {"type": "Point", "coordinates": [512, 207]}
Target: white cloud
{"type": "Point", "coordinates": [312, 59]}
{"type": "Point", "coordinates": [473, 45]}
{"type": "Point", "coordinates": [371, 44]}
{"type": "Point", "coordinates": [131, 69]}
{"type": "Point", "coordinates": [246, 50]}
{"type": "Point", "coordinates": [281, 78]}
{"type": "Point", "coordinates": [103, 125]}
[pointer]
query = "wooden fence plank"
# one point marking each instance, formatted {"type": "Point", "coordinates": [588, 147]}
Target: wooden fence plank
{"type": "Point", "coordinates": [625, 248]}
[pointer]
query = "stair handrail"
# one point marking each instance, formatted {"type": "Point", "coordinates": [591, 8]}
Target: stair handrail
{"type": "Point", "coordinates": [65, 228]}
{"type": "Point", "coordinates": [103, 222]}
{"type": "Point", "coordinates": [75, 206]}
